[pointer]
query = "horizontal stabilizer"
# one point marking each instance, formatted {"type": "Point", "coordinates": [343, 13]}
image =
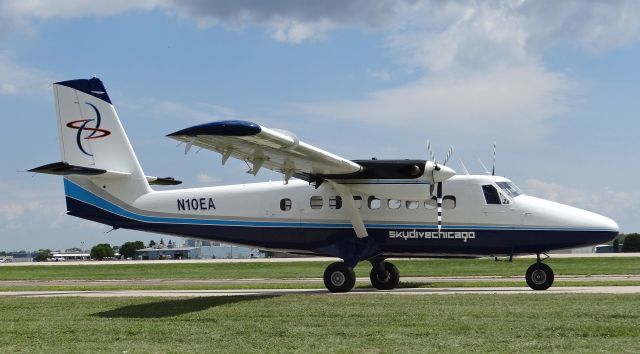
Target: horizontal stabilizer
{"type": "Point", "coordinates": [66, 169]}
{"type": "Point", "coordinates": [163, 181]}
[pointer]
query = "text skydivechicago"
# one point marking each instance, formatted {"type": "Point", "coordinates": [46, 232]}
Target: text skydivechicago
{"type": "Point", "coordinates": [415, 234]}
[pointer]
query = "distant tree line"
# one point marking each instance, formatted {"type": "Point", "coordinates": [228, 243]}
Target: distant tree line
{"type": "Point", "coordinates": [630, 242]}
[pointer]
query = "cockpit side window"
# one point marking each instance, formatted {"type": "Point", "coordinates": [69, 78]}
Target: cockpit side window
{"type": "Point", "coordinates": [491, 194]}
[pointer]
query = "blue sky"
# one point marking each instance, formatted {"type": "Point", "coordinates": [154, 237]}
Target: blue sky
{"type": "Point", "coordinates": [555, 83]}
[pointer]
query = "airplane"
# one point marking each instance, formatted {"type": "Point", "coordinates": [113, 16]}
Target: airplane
{"type": "Point", "coordinates": [355, 210]}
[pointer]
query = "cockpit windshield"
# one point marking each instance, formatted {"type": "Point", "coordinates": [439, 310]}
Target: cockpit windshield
{"type": "Point", "coordinates": [509, 189]}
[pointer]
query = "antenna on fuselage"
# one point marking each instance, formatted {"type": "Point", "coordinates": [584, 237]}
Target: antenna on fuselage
{"type": "Point", "coordinates": [464, 168]}
{"type": "Point", "coordinates": [483, 166]}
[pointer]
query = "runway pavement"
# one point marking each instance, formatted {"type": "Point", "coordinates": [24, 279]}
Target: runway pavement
{"type": "Point", "coordinates": [356, 292]}
{"type": "Point", "coordinates": [149, 282]}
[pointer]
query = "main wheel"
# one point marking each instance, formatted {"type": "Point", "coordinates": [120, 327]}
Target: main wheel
{"type": "Point", "coordinates": [339, 278]}
{"type": "Point", "coordinates": [539, 276]}
{"type": "Point", "coordinates": [387, 281]}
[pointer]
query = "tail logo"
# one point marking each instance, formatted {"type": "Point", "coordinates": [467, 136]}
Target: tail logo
{"type": "Point", "coordinates": [88, 133]}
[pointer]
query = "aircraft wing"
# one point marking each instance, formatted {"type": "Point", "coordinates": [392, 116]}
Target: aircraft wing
{"type": "Point", "coordinates": [260, 146]}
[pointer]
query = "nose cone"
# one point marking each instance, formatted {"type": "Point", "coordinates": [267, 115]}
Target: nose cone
{"type": "Point", "coordinates": [592, 227]}
{"type": "Point", "coordinates": [443, 173]}
{"type": "Point", "coordinates": [438, 173]}
{"type": "Point", "coordinates": [608, 224]}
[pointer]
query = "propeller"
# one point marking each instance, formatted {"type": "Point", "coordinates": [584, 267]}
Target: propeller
{"type": "Point", "coordinates": [493, 170]}
{"type": "Point", "coordinates": [439, 174]}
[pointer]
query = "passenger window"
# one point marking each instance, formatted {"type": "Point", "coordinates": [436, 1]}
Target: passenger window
{"type": "Point", "coordinates": [335, 202]}
{"type": "Point", "coordinates": [373, 202]}
{"type": "Point", "coordinates": [394, 204]}
{"type": "Point", "coordinates": [412, 204]}
{"type": "Point", "coordinates": [449, 202]}
{"type": "Point", "coordinates": [431, 203]}
{"type": "Point", "coordinates": [316, 202]}
{"type": "Point", "coordinates": [490, 194]}
{"type": "Point", "coordinates": [285, 204]}
{"type": "Point", "coordinates": [358, 201]}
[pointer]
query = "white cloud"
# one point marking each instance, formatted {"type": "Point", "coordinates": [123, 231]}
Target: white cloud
{"type": "Point", "coordinates": [381, 75]}
{"type": "Point", "coordinates": [441, 29]}
{"type": "Point", "coordinates": [615, 204]}
{"type": "Point", "coordinates": [195, 112]}
{"type": "Point", "coordinates": [206, 179]}
{"type": "Point", "coordinates": [45, 10]}
{"type": "Point", "coordinates": [17, 79]}
{"type": "Point", "coordinates": [294, 32]}
{"type": "Point", "coordinates": [23, 204]}
{"type": "Point", "coordinates": [495, 102]}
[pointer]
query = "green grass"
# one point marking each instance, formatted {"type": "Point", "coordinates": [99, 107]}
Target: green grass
{"type": "Point", "coordinates": [428, 267]}
{"type": "Point", "coordinates": [324, 323]}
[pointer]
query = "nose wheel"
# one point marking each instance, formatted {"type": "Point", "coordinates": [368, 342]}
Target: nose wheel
{"type": "Point", "coordinates": [384, 275]}
{"type": "Point", "coordinates": [539, 276]}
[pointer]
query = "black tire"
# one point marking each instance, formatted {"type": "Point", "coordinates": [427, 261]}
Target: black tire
{"type": "Point", "coordinates": [387, 281]}
{"type": "Point", "coordinates": [539, 276]}
{"type": "Point", "coordinates": [339, 278]}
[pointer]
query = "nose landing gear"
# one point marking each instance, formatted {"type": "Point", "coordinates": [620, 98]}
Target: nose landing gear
{"type": "Point", "coordinates": [384, 275]}
{"type": "Point", "coordinates": [539, 276]}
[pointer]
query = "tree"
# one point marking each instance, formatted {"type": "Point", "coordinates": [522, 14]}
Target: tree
{"type": "Point", "coordinates": [128, 249]}
{"type": "Point", "coordinates": [161, 241]}
{"type": "Point", "coordinates": [616, 245]}
{"type": "Point", "coordinates": [102, 251]}
{"type": "Point", "coordinates": [43, 255]}
{"type": "Point", "coordinates": [152, 243]}
{"type": "Point", "coordinates": [631, 243]}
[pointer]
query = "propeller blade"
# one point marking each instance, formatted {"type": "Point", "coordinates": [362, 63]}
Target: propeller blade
{"type": "Point", "coordinates": [493, 171]}
{"type": "Point", "coordinates": [449, 153]}
{"type": "Point", "coordinates": [430, 151]}
{"type": "Point", "coordinates": [439, 203]}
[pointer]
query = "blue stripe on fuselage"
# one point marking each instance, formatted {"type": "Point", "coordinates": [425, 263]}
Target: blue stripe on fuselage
{"type": "Point", "coordinates": [74, 191]}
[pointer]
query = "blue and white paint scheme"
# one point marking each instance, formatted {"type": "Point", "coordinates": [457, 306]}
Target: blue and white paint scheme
{"type": "Point", "coordinates": [356, 210]}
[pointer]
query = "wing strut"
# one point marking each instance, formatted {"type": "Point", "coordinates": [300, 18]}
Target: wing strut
{"type": "Point", "coordinates": [350, 206]}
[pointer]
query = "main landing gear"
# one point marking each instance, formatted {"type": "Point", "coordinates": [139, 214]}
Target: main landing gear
{"type": "Point", "coordinates": [539, 276]}
{"type": "Point", "coordinates": [340, 278]}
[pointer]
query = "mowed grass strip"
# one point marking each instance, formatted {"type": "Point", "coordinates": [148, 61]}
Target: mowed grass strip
{"type": "Point", "coordinates": [324, 323]}
{"type": "Point", "coordinates": [426, 267]}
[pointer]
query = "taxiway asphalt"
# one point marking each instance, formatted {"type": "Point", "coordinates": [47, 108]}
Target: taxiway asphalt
{"type": "Point", "coordinates": [356, 292]}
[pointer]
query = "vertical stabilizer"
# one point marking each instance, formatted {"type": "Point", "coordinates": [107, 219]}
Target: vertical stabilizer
{"type": "Point", "coordinates": [91, 136]}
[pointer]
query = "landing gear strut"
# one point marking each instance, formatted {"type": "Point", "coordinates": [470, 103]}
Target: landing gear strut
{"type": "Point", "coordinates": [339, 277]}
{"type": "Point", "coordinates": [539, 276]}
{"type": "Point", "coordinates": [384, 275]}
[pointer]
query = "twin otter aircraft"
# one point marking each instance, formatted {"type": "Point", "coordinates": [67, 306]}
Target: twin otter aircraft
{"type": "Point", "coordinates": [356, 210]}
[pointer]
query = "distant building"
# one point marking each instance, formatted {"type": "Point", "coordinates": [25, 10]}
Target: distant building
{"type": "Point", "coordinates": [70, 256]}
{"type": "Point", "coordinates": [203, 252]}
{"type": "Point", "coordinates": [22, 257]}
{"type": "Point", "coordinates": [194, 242]}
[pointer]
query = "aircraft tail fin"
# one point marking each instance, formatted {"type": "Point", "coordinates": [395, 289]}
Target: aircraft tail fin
{"type": "Point", "coordinates": [93, 143]}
